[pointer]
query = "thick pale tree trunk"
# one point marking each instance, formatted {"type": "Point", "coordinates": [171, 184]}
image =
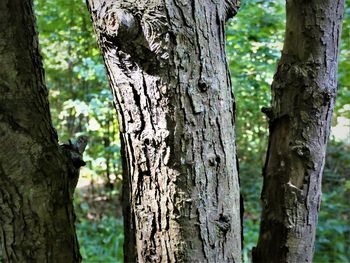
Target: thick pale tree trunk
{"type": "Point", "coordinates": [303, 96]}
{"type": "Point", "coordinates": [36, 211]}
{"type": "Point", "coordinates": [168, 73]}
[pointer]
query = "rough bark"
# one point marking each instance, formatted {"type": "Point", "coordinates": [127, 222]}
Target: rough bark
{"type": "Point", "coordinates": [168, 74]}
{"type": "Point", "coordinates": [303, 97]}
{"type": "Point", "coordinates": [36, 211]}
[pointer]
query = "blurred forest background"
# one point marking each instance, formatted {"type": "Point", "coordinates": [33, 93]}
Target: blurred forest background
{"type": "Point", "coordinates": [81, 103]}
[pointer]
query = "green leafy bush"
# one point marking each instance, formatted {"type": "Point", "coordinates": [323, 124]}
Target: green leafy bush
{"type": "Point", "coordinates": [101, 241]}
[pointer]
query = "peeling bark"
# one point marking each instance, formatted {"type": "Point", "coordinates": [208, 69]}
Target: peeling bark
{"type": "Point", "coordinates": [36, 211]}
{"type": "Point", "coordinates": [303, 97]}
{"type": "Point", "coordinates": [168, 73]}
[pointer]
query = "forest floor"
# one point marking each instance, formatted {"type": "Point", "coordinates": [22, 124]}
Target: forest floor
{"type": "Point", "coordinates": [99, 221]}
{"type": "Point", "coordinates": [101, 199]}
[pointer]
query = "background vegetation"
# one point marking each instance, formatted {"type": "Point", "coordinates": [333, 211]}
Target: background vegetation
{"type": "Point", "coordinates": [82, 103]}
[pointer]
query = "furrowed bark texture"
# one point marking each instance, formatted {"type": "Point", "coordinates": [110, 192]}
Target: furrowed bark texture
{"type": "Point", "coordinates": [36, 211]}
{"type": "Point", "coordinates": [303, 96]}
{"type": "Point", "coordinates": [168, 73]}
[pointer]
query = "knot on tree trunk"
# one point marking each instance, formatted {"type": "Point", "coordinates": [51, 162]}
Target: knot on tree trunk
{"type": "Point", "coordinates": [231, 8]}
{"type": "Point", "coordinates": [139, 34]}
{"type": "Point", "coordinates": [121, 24]}
{"type": "Point", "coordinates": [74, 152]}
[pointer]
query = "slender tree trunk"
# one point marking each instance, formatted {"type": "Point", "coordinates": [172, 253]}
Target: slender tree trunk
{"type": "Point", "coordinates": [36, 211]}
{"type": "Point", "coordinates": [303, 96]}
{"type": "Point", "coordinates": [168, 73]}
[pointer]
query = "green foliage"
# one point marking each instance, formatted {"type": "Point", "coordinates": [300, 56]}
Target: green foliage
{"type": "Point", "coordinates": [333, 233]}
{"type": "Point", "coordinates": [81, 103]}
{"type": "Point", "coordinates": [100, 232]}
{"type": "Point", "coordinates": [80, 99]}
{"type": "Point", "coordinates": [342, 105]}
{"type": "Point", "coordinates": [101, 241]}
{"type": "Point", "coordinates": [254, 42]}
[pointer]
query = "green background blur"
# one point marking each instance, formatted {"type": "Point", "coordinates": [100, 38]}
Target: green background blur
{"type": "Point", "coordinates": [81, 102]}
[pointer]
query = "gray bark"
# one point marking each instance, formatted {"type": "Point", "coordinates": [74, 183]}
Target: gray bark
{"type": "Point", "coordinates": [303, 97]}
{"type": "Point", "coordinates": [36, 178]}
{"type": "Point", "coordinates": [168, 73]}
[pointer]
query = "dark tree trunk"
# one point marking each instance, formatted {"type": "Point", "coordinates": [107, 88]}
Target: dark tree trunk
{"type": "Point", "coordinates": [36, 211]}
{"type": "Point", "coordinates": [303, 96]}
{"type": "Point", "coordinates": [168, 73]}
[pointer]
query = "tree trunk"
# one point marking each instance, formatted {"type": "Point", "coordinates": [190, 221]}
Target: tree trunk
{"type": "Point", "coordinates": [36, 211]}
{"type": "Point", "coordinates": [169, 77]}
{"type": "Point", "coordinates": [303, 96]}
